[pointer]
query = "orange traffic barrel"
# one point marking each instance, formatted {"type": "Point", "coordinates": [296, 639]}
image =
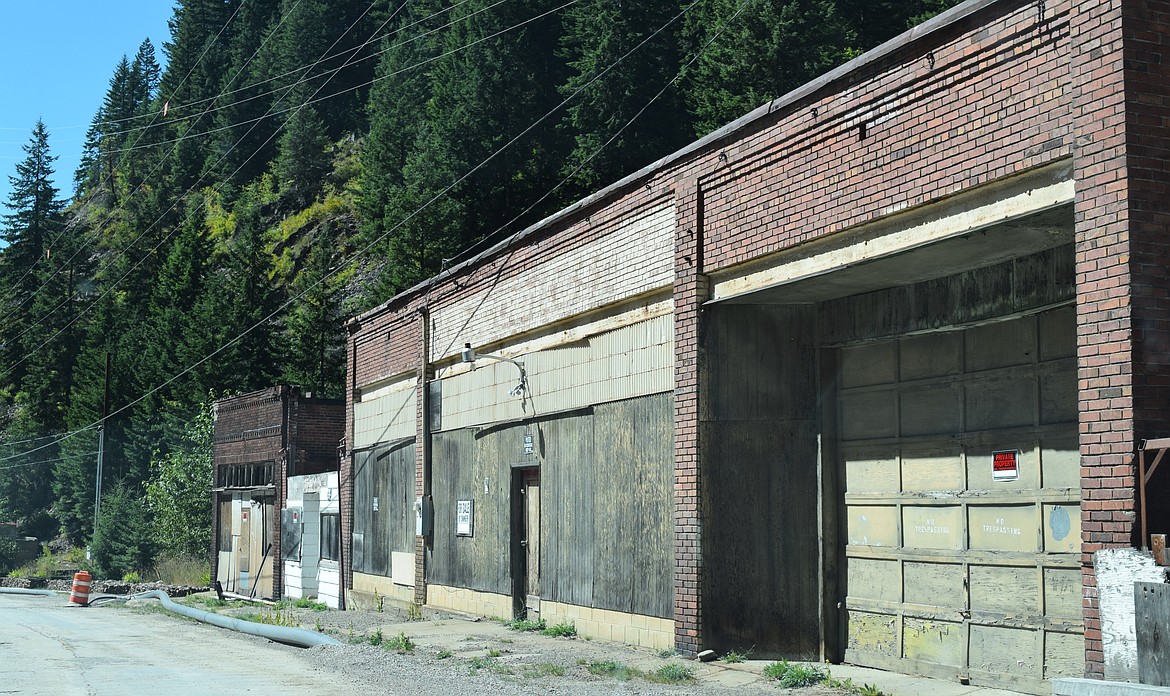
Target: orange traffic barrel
{"type": "Point", "coordinates": [80, 593]}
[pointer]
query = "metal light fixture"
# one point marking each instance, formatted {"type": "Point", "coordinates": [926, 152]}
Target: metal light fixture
{"type": "Point", "coordinates": [470, 356]}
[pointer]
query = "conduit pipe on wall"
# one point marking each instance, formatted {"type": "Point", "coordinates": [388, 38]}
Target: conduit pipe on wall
{"type": "Point", "coordinates": [281, 634]}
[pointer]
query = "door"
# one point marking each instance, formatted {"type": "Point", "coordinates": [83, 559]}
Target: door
{"type": "Point", "coordinates": [526, 549]}
{"type": "Point", "coordinates": [244, 544]}
{"type": "Point", "coordinates": [959, 456]}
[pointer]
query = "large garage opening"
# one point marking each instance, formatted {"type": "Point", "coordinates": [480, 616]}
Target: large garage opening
{"type": "Point", "coordinates": [890, 463]}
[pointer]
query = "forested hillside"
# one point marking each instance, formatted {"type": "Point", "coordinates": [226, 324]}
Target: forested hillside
{"type": "Point", "coordinates": [299, 161]}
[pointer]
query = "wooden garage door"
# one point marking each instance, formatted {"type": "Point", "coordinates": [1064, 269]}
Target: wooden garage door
{"type": "Point", "coordinates": [950, 571]}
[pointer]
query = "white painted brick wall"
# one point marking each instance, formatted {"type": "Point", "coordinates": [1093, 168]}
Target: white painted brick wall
{"type": "Point", "coordinates": [637, 257]}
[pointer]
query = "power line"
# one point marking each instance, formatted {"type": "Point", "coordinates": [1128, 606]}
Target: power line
{"type": "Point", "coordinates": [361, 252]}
{"type": "Point", "coordinates": [254, 123]}
{"type": "Point", "coordinates": [175, 204]}
{"type": "Point", "coordinates": [93, 235]}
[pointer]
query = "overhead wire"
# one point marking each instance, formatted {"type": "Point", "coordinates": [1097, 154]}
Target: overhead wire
{"type": "Point", "coordinates": [254, 123]}
{"type": "Point", "coordinates": [202, 134]}
{"type": "Point", "coordinates": [93, 235]}
{"type": "Point", "coordinates": [98, 228]}
{"type": "Point", "coordinates": [333, 71]}
{"type": "Point", "coordinates": [337, 268]}
{"type": "Point", "coordinates": [201, 203]}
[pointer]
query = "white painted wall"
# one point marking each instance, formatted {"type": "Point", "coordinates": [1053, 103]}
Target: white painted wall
{"type": "Point", "coordinates": [1117, 571]}
{"type": "Point", "coordinates": [635, 258]}
{"type": "Point", "coordinates": [385, 413]}
{"type": "Point", "coordinates": [313, 494]}
{"type": "Point", "coordinates": [631, 361]}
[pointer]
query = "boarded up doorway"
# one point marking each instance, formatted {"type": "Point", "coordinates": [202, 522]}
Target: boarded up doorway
{"type": "Point", "coordinates": [526, 542]}
{"type": "Point", "coordinates": [959, 456]}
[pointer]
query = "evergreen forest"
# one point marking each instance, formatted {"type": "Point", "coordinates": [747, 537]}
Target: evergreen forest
{"type": "Point", "coordinates": [279, 165]}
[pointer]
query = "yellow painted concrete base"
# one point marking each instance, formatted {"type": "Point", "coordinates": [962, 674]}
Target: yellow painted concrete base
{"type": "Point", "coordinates": [468, 601]}
{"type": "Point", "coordinates": [635, 629]}
{"type": "Point", "coordinates": [361, 597]}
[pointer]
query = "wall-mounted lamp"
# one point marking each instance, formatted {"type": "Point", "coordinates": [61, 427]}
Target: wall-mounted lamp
{"type": "Point", "coordinates": [470, 356]}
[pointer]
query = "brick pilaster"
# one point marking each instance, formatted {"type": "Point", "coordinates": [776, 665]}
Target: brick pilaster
{"type": "Point", "coordinates": [690, 290]}
{"type": "Point", "coordinates": [1121, 100]}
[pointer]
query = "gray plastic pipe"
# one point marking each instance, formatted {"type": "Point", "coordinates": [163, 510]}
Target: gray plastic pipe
{"type": "Point", "coordinates": [26, 591]}
{"type": "Point", "coordinates": [282, 634]}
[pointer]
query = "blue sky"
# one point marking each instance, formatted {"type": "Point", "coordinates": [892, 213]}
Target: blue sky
{"type": "Point", "coordinates": [57, 58]}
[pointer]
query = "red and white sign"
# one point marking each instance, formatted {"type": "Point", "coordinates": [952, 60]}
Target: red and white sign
{"type": "Point", "coordinates": [1005, 465]}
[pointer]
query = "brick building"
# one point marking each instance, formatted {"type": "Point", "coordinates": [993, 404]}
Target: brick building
{"type": "Point", "coordinates": [260, 440]}
{"type": "Point", "coordinates": [860, 376]}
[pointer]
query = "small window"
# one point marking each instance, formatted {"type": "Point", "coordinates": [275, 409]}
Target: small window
{"type": "Point", "coordinates": [331, 537]}
{"type": "Point", "coordinates": [290, 534]}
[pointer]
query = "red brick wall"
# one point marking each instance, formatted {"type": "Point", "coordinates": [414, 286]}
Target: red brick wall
{"type": "Point", "coordinates": [690, 291]}
{"type": "Point", "coordinates": [940, 116]}
{"type": "Point", "coordinates": [1123, 309]}
{"type": "Point", "coordinates": [1013, 86]}
{"type": "Point", "coordinates": [272, 425]}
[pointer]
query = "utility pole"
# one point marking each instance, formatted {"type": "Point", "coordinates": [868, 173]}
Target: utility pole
{"type": "Point", "coordinates": [97, 500]}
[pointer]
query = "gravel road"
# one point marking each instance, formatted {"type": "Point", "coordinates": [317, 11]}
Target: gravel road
{"type": "Point", "coordinates": [138, 648]}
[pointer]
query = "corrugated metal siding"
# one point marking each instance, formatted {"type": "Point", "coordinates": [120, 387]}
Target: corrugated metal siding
{"type": "Point", "coordinates": [632, 361]}
{"type": "Point", "coordinates": [634, 259]}
{"type": "Point", "coordinates": [385, 415]}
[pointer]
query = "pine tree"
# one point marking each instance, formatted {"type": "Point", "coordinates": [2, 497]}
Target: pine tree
{"type": "Point", "coordinates": [313, 327]}
{"type": "Point", "coordinates": [303, 160]}
{"type": "Point", "coordinates": [598, 33]}
{"type": "Point", "coordinates": [32, 228]}
{"type": "Point", "coordinates": [34, 224]}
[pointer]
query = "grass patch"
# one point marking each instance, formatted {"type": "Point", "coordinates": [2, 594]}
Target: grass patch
{"type": "Point", "coordinates": [673, 673]}
{"type": "Point", "coordinates": [376, 638]}
{"type": "Point", "coordinates": [791, 676]}
{"type": "Point", "coordinates": [182, 570]}
{"type": "Point", "coordinates": [206, 602]}
{"type": "Point", "coordinates": [544, 669]}
{"type": "Point", "coordinates": [667, 653]}
{"type": "Point", "coordinates": [272, 617]}
{"type": "Point", "coordinates": [400, 644]}
{"type": "Point", "coordinates": [302, 603]}
{"type": "Point", "coordinates": [616, 670]}
{"type": "Point", "coordinates": [494, 653]}
{"type": "Point", "coordinates": [564, 629]}
{"type": "Point", "coordinates": [526, 625]}
{"type": "Point", "coordinates": [848, 685]}
{"type": "Point", "coordinates": [735, 656]}
{"type": "Point", "coordinates": [443, 654]}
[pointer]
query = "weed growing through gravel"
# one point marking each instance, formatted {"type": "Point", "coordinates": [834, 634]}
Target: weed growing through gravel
{"type": "Point", "coordinates": [564, 629]}
{"type": "Point", "coordinates": [673, 673]}
{"type": "Point", "coordinates": [544, 669]}
{"type": "Point", "coordinates": [477, 663]}
{"type": "Point", "coordinates": [443, 654]}
{"type": "Point", "coordinates": [526, 625]}
{"type": "Point", "coordinates": [734, 656]}
{"type": "Point", "coordinates": [667, 653]}
{"type": "Point", "coordinates": [400, 643]}
{"type": "Point", "coordinates": [609, 668]}
{"type": "Point", "coordinates": [848, 685]}
{"type": "Point", "coordinates": [793, 676]}
{"type": "Point", "coordinates": [376, 638]}
{"type": "Point", "coordinates": [302, 603]}
{"type": "Point", "coordinates": [272, 617]}
{"type": "Point", "coordinates": [494, 653]}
